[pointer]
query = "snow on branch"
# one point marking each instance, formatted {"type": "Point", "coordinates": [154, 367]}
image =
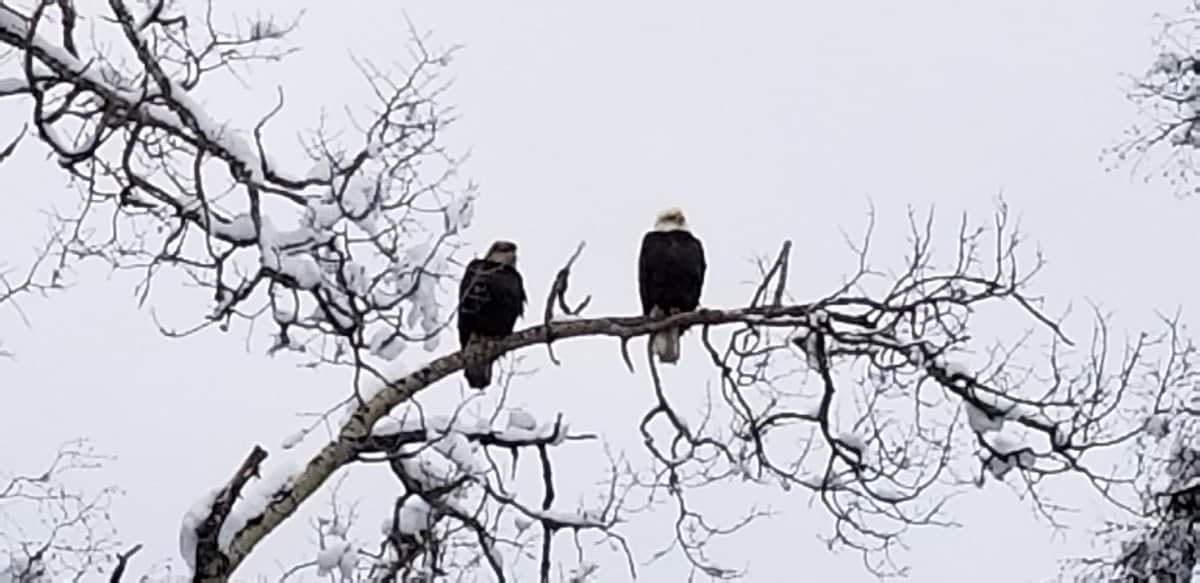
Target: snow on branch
{"type": "Point", "coordinates": [347, 251]}
{"type": "Point", "coordinates": [884, 381]}
{"type": "Point", "coordinates": [418, 536]}
{"type": "Point", "coordinates": [455, 507]}
{"type": "Point", "coordinates": [880, 471]}
{"type": "Point", "coordinates": [209, 560]}
{"type": "Point", "coordinates": [356, 431]}
{"type": "Point", "coordinates": [844, 378]}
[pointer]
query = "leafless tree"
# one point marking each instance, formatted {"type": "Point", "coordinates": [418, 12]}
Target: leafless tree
{"type": "Point", "coordinates": [1162, 142]}
{"type": "Point", "coordinates": [1159, 541]}
{"type": "Point", "coordinates": [882, 398]}
{"type": "Point", "coordinates": [1155, 540]}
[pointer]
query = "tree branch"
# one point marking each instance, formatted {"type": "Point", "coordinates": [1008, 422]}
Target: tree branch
{"type": "Point", "coordinates": [355, 432]}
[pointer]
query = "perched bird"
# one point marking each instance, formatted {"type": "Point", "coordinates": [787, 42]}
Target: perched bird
{"type": "Point", "coordinates": [670, 277]}
{"type": "Point", "coordinates": [491, 297]}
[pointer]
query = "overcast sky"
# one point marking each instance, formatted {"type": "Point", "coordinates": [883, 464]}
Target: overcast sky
{"type": "Point", "coordinates": [764, 122]}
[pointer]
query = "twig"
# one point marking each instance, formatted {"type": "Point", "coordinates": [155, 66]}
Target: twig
{"type": "Point", "coordinates": [122, 562]}
{"type": "Point", "coordinates": [558, 295]}
{"type": "Point", "coordinates": [12, 146]}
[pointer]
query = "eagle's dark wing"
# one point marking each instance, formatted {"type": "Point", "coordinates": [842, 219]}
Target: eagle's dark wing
{"type": "Point", "coordinates": [508, 297]}
{"type": "Point", "coordinates": [671, 269]}
{"type": "Point", "coordinates": [691, 266]}
{"type": "Point", "coordinates": [491, 299]}
{"type": "Point", "coordinates": [646, 273]}
{"type": "Point", "coordinates": [473, 295]}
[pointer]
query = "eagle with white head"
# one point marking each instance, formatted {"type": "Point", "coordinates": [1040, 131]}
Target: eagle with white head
{"type": "Point", "coordinates": [671, 270]}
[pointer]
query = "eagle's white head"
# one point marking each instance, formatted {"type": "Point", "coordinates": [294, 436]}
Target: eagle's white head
{"type": "Point", "coordinates": [503, 252]}
{"type": "Point", "coordinates": [671, 219]}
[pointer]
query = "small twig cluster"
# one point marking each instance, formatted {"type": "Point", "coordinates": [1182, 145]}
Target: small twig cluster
{"type": "Point", "coordinates": [50, 529]}
{"type": "Point", "coordinates": [1167, 97]}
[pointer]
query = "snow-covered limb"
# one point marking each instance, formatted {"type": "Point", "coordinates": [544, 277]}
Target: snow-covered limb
{"type": "Point", "coordinates": [140, 130]}
{"type": "Point", "coordinates": [439, 460]}
{"type": "Point", "coordinates": [355, 432]}
{"type": "Point", "coordinates": [169, 108]}
{"type": "Point", "coordinates": [411, 538]}
{"type": "Point", "coordinates": [407, 534]}
{"type": "Point", "coordinates": [255, 497]}
{"type": "Point", "coordinates": [520, 430]}
{"type": "Point", "coordinates": [987, 408]}
{"type": "Point", "coordinates": [413, 517]}
{"type": "Point", "coordinates": [195, 516]}
{"type": "Point", "coordinates": [210, 554]}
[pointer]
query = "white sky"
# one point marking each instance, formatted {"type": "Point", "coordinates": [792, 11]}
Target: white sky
{"type": "Point", "coordinates": [767, 122]}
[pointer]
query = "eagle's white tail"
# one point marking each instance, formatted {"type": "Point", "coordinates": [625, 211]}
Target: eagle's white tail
{"type": "Point", "coordinates": [666, 345]}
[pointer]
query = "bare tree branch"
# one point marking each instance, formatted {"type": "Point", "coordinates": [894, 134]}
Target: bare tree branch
{"type": "Point", "coordinates": [123, 562]}
{"type": "Point", "coordinates": [50, 529]}
{"type": "Point", "coordinates": [1160, 144]}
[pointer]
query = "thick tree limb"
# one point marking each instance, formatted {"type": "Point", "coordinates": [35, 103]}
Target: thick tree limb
{"type": "Point", "coordinates": [210, 561]}
{"type": "Point", "coordinates": [356, 431]}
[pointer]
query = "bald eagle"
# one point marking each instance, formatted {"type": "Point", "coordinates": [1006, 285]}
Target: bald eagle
{"type": "Point", "coordinates": [670, 276]}
{"type": "Point", "coordinates": [491, 297]}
